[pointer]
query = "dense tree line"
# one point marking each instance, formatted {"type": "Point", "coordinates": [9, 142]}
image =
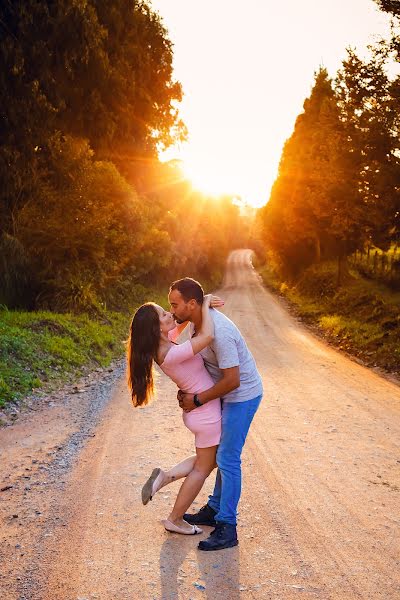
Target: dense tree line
{"type": "Point", "coordinates": [338, 186]}
{"type": "Point", "coordinates": [87, 98]}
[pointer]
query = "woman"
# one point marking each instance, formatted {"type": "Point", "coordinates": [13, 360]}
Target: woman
{"type": "Point", "coordinates": [149, 341]}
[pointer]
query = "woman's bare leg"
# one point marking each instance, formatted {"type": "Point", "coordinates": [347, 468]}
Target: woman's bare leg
{"type": "Point", "coordinates": [157, 481]}
{"type": "Point", "coordinates": [180, 470]}
{"type": "Point", "coordinates": [203, 465]}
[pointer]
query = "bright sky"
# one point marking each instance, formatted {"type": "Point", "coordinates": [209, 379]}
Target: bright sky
{"type": "Point", "coordinates": [246, 69]}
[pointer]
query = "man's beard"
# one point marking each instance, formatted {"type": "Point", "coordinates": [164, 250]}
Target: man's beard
{"type": "Point", "coordinates": [179, 321]}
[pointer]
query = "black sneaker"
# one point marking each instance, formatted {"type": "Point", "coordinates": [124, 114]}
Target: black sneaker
{"type": "Point", "coordinates": [223, 536]}
{"type": "Point", "coordinates": [205, 516]}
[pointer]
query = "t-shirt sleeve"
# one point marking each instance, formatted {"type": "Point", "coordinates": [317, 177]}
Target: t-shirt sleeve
{"type": "Point", "coordinates": [225, 348]}
{"type": "Point", "coordinates": [178, 354]}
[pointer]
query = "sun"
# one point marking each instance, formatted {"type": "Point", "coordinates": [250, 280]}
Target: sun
{"type": "Point", "coordinates": [218, 170]}
{"type": "Point", "coordinates": [207, 178]}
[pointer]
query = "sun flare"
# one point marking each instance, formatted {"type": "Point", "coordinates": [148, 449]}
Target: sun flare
{"type": "Point", "coordinates": [217, 172]}
{"type": "Point", "coordinates": [207, 178]}
{"type": "Point", "coordinates": [241, 100]}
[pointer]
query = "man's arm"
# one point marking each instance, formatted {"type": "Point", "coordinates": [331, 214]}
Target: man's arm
{"type": "Point", "coordinates": [230, 381]}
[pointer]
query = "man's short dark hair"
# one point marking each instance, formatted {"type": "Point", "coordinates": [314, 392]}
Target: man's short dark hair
{"type": "Point", "coordinates": [189, 288]}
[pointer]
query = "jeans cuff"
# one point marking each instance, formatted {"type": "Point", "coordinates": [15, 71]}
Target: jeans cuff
{"type": "Point", "coordinates": [213, 504]}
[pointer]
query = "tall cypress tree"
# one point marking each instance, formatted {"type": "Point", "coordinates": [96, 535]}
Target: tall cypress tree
{"type": "Point", "coordinates": [306, 217]}
{"type": "Point", "coordinates": [371, 119]}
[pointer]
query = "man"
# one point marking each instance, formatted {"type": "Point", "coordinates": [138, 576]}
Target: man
{"type": "Point", "coordinates": [238, 384]}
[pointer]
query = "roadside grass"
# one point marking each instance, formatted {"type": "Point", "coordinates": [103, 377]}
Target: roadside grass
{"type": "Point", "coordinates": [38, 348]}
{"type": "Point", "coordinates": [362, 317]}
{"type": "Point", "coordinates": [43, 349]}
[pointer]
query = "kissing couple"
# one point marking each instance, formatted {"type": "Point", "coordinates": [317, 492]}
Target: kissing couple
{"type": "Point", "coordinates": [219, 393]}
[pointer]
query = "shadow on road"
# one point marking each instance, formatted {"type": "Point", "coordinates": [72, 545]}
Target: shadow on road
{"type": "Point", "coordinates": [185, 570]}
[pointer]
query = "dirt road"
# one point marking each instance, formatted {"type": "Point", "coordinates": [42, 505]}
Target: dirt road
{"type": "Point", "coordinates": [320, 511]}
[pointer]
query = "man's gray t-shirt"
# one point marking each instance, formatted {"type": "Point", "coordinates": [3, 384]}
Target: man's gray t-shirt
{"type": "Point", "coordinates": [227, 350]}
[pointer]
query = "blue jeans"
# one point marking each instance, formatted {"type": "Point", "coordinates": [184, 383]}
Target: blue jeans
{"type": "Point", "coordinates": [236, 421]}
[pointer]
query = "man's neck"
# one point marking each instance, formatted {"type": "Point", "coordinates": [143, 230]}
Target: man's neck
{"type": "Point", "coordinates": [197, 320]}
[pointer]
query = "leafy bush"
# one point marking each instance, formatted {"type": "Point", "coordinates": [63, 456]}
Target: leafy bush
{"type": "Point", "coordinates": [319, 280]}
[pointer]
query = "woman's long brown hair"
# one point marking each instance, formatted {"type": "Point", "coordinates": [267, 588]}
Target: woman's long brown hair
{"type": "Point", "coordinates": [142, 347]}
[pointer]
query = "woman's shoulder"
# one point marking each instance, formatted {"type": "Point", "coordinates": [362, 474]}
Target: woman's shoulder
{"type": "Point", "coordinates": [178, 353]}
{"type": "Point", "coordinates": [163, 351]}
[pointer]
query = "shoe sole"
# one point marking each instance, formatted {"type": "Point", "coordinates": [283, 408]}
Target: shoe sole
{"type": "Point", "coordinates": [148, 486]}
{"type": "Point", "coordinates": [227, 545]}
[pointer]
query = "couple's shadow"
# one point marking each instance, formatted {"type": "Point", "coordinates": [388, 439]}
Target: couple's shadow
{"type": "Point", "coordinates": [185, 570]}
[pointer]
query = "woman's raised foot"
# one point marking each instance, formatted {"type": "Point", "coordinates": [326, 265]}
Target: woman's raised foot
{"type": "Point", "coordinates": [152, 485]}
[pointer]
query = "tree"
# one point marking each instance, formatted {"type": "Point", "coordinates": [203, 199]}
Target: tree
{"type": "Point", "coordinates": [91, 70]}
{"type": "Point", "coordinates": [101, 235]}
{"type": "Point", "coordinates": [306, 217]}
{"type": "Point", "coordinates": [370, 117]}
{"type": "Point", "coordinates": [86, 96]}
{"type": "Point", "coordinates": [338, 183]}
{"type": "Point", "coordinates": [391, 50]}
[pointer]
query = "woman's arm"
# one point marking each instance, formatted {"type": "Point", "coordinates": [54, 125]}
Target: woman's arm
{"type": "Point", "coordinates": [205, 335]}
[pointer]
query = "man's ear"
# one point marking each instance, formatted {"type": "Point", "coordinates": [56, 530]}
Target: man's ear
{"type": "Point", "coordinates": [192, 304]}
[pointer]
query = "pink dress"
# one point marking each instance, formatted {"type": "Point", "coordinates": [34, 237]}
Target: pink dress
{"type": "Point", "coordinates": [187, 370]}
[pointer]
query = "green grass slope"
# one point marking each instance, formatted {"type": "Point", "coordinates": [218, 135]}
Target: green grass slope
{"type": "Point", "coordinates": [38, 348]}
{"type": "Point", "coordinates": [362, 317]}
